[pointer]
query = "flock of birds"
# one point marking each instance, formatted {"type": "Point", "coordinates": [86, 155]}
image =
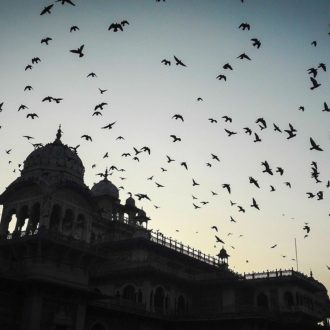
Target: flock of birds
{"type": "Point", "coordinates": [136, 153]}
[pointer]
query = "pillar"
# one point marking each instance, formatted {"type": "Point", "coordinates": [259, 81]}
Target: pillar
{"type": "Point", "coordinates": [32, 312]}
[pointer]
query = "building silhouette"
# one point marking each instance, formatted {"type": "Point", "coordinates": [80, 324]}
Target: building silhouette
{"type": "Point", "coordinates": [78, 259]}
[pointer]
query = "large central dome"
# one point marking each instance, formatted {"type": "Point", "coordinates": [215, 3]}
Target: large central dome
{"type": "Point", "coordinates": [54, 158]}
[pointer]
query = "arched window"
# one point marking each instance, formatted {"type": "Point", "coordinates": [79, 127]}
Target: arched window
{"type": "Point", "coordinates": [55, 218]}
{"type": "Point", "coordinates": [159, 300]}
{"type": "Point", "coordinates": [288, 299]}
{"type": "Point", "coordinates": [22, 215]}
{"type": "Point", "coordinates": [10, 221]}
{"type": "Point", "coordinates": [262, 301]}
{"type": "Point", "coordinates": [129, 292]}
{"type": "Point", "coordinates": [181, 305]}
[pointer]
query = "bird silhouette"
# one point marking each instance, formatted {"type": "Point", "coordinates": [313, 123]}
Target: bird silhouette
{"type": "Point", "coordinates": [227, 119]}
{"type": "Point", "coordinates": [159, 185]}
{"type": "Point", "coordinates": [215, 157]}
{"type": "Point", "coordinates": [66, 1]}
{"type": "Point", "coordinates": [262, 122]}
{"type": "Point", "coordinates": [166, 62]}
{"type": "Point", "coordinates": [178, 62]}
{"type": "Point", "coordinates": [32, 115]}
{"type": "Point", "coordinates": [109, 126]}
{"type": "Point", "coordinates": [227, 186]}
{"type": "Point", "coordinates": [102, 90]}
{"type": "Point", "coordinates": [240, 209]}
{"type": "Point", "coordinates": [115, 27]}
{"type": "Point", "coordinates": [291, 132]}
{"type": "Point", "coordinates": [175, 138]}
{"type": "Point", "coordinates": [218, 239]}
{"type": "Point", "coordinates": [326, 108]}
{"type": "Point", "coordinates": [28, 67]}
{"type": "Point", "coordinates": [256, 42]}
{"type": "Point", "coordinates": [314, 83]}
{"type": "Point", "coordinates": [244, 26]}
{"type": "Point", "coordinates": [199, 99]}
{"type": "Point", "coordinates": [247, 130]}
{"type": "Point", "coordinates": [169, 159]}
{"type": "Point", "coordinates": [227, 66]}
{"type": "Point", "coordinates": [212, 120]}
{"type": "Point", "coordinates": [314, 146]}
{"type": "Point", "coordinates": [256, 138]}
{"type": "Point", "coordinates": [177, 116]}
{"type": "Point", "coordinates": [276, 128]}
{"type": "Point", "coordinates": [254, 204]}
{"type": "Point", "coordinates": [221, 76]}
{"type": "Point", "coordinates": [100, 106]}
{"type": "Point", "coordinates": [279, 170]}
{"type": "Point", "coordinates": [230, 133]}
{"type": "Point", "coordinates": [45, 40]}
{"type": "Point", "coordinates": [28, 137]}
{"type": "Point", "coordinates": [74, 28]}
{"type": "Point", "coordinates": [28, 88]}
{"type": "Point", "coordinates": [22, 107]}
{"type": "Point", "coordinates": [194, 183]}
{"type": "Point", "coordinates": [215, 228]}
{"type": "Point", "coordinates": [92, 74]}
{"type": "Point", "coordinates": [254, 181]}
{"type": "Point", "coordinates": [312, 71]}
{"type": "Point", "coordinates": [86, 137]}
{"type": "Point", "coordinates": [314, 43]}
{"type": "Point", "coordinates": [196, 206]}
{"type": "Point", "coordinates": [184, 164]}
{"type": "Point", "coordinates": [322, 66]}
{"type": "Point", "coordinates": [273, 246]}
{"type": "Point", "coordinates": [78, 51]}
{"type": "Point", "coordinates": [46, 10]}
{"type": "Point", "coordinates": [35, 60]}
{"type": "Point", "coordinates": [146, 149]}
{"type": "Point", "coordinates": [244, 56]}
{"type": "Point", "coordinates": [267, 168]}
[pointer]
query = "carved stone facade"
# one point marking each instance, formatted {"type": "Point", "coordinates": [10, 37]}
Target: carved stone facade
{"type": "Point", "coordinates": [74, 258]}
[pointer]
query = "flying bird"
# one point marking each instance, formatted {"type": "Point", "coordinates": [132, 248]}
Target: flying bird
{"type": "Point", "coordinates": [184, 164]}
{"type": "Point", "coordinates": [227, 186]}
{"type": "Point", "coordinates": [175, 138]}
{"type": "Point", "coordinates": [215, 157]}
{"type": "Point", "coordinates": [32, 115]}
{"type": "Point", "coordinates": [45, 40]}
{"type": "Point", "coordinates": [227, 66]}
{"type": "Point", "coordinates": [102, 90]}
{"type": "Point", "coordinates": [47, 10]}
{"type": "Point", "coordinates": [244, 56]}
{"type": "Point", "coordinates": [74, 28]}
{"type": "Point", "coordinates": [221, 76]}
{"type": "Point", "coordinates": [211, 120]}
{"type": "Point", "coordinates": [109, 126]}
{"type": "Point", "coordinates": [166, 62]}
{"type": "Point", "coordinates": [78, 51]}
{"type": "Point", "coordinates": [256, 42]}
{"type": "Point", "coordinates": [177, 116]}
{"type": "Point", "coordinates": [326, 108]}
{"type": "Point", "coordinates": [115, 27]}
{"type": "Point", "coordinates": [86, 137]}
{"type": "Point", "coordinates": [92, 74]}
{"type": "Point", "coordinates": [178, 62]}
{"type": "Point", "coordinates": [254, 204]}
{"type": "Point", "coordinates": [244, 26]}
{"type": "Point", "coordinates": [314, 83]}
{"type": "Point", "coordinates": [195, 183]}
{"type": "Point", "coordinates": [227, 119]}
{"type": "Point", "coordinates": [314, 146]}
{"type": "Point", "coordinates": [230, 133]}
{"type": "Point", "coordinates": [66, 1]}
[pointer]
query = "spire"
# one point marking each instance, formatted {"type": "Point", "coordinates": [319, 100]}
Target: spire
{"type": "Point", "coordinates": [106, 173]}
{"type": "Point", "coordinates": [59, 134]}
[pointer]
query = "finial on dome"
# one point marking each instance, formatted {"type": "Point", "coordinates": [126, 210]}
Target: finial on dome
{"type": "Point", "coordinates": [59, 134]}
{"type": "Point", "coordinates": [106, 173]}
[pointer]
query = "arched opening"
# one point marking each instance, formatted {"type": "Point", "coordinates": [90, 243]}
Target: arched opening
{"type": "Point", "coordinates": [10, 221]}
{"type": "Point", "coordinates": [98, 326]}
{"type": "Point", "coordinates": [34, 219]}
{"type": "Point", "coordinates": [288, 299]}
{"type": "Point", "coordinates": [159, 300]}
{"type": "Point", "coordinates": [181, 305]}
{"type": "Point", "coordinates": [67, 223]}
{"type": "Point", "coordinates": [129, 292]}
{"type": "Point", "coordinates": [262, 301]}
{"type": "Point", "coordinates": [55, 218]}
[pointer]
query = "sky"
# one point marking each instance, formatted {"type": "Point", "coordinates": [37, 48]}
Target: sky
{"type": "Point", "coordinates": [143, 95]}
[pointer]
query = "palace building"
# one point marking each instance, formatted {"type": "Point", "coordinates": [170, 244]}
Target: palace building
{"type": "Point", "coordinates": [78, 259]}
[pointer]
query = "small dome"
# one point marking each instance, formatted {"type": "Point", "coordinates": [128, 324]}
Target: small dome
{"type": "Point", "coordinates": [54, 158]}
{"type": "Point", "coordinates": [130, 201]}
{"type": "Point", "coordinates": [223, 254]}
{"type": "Point", "coordinates": [105, 188]}
{"type": "Point", "coordinates": [141, 214]}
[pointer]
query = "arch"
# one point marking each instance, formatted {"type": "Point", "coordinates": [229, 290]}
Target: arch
{"type": "Point", "coordinates": [55, 218]}
{"type": "Point", "coordinates": [9, 222]}
{"type": "Point", "coordinates": [67, 223]}
{"type": "Point", "coordinates": [129, 292]}
{"type": "Point", "coordinates": [181, 305]}
{"type": "Point", "coordinates": [262, 301]}
{"type": "Point", "coordinates": [288, 299]}
{"type": "Point", "coordinates": [159, 300]}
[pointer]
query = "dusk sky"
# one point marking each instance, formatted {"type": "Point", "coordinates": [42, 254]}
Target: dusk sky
{"type": "Point", "coordinates": [143, 94]}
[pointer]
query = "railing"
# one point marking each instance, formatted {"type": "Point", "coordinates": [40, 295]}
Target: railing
{"type": "Point", "coordinates": [160, 239]}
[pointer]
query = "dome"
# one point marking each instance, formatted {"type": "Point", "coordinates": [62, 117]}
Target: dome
{"type": "Point", "coordinates": [54, 158]}
{"type": "Point", "coordinates": [105, 188]}
{"type": "Point", "coordinates": [223, 254]}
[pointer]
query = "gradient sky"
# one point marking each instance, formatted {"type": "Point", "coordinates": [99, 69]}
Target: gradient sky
{"type": "Point", "coordinates": [143, 95]}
